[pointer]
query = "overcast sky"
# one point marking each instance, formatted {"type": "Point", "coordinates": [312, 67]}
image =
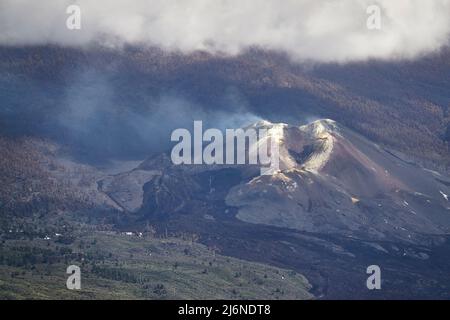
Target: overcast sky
{"type": "Point", "coordinates": [322, 30]}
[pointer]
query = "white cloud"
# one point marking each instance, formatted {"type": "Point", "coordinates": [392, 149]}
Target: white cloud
{"type": "Point", "coordinates": [322, 30]}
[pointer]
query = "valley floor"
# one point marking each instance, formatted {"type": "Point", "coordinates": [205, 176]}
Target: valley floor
{"type": "Point", "coordinates": [120, 266]}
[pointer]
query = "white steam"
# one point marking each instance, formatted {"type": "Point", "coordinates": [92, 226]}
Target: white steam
{"type": "Point", "coordinates": [321, 30]}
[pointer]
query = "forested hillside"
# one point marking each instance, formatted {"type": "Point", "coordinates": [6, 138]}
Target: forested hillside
{"type": "Point", "coordinates": [402, 105]}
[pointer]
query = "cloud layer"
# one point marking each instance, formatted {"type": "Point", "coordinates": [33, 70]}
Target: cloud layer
{"type": "Point", "coordinates": [320, 30]}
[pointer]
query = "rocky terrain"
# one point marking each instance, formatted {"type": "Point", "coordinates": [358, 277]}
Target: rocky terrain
{"type": "Point", "coordinates": [332, 180]}
{"type": "Point", "coordinates": [84, 136]}
{"type": "Point", "coordinates": [338, 204]}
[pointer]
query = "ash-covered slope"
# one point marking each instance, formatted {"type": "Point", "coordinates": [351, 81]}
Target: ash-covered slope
{"type": "Point", "coordinates": [331, 180]}
{"type": "Point", "coordinates": [334, 180]}
{"type": "Point", "coordinates": [338, 204]}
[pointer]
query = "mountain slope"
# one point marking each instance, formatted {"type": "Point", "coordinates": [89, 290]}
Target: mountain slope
{"type": "Point", "coordinates": [338, 204]}
{"type": "Point", "coordinates": [331, 180]}
{"type": "Point", "coordinates": [400, 104]}
{"type": "Point", "coordinates": [338, 181]}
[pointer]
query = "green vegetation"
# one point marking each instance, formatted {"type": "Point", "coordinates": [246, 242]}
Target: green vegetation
{"type": "Point", "coordinates": [119, 266]}
{"type": "Point", "coordinates": [47, 225]}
